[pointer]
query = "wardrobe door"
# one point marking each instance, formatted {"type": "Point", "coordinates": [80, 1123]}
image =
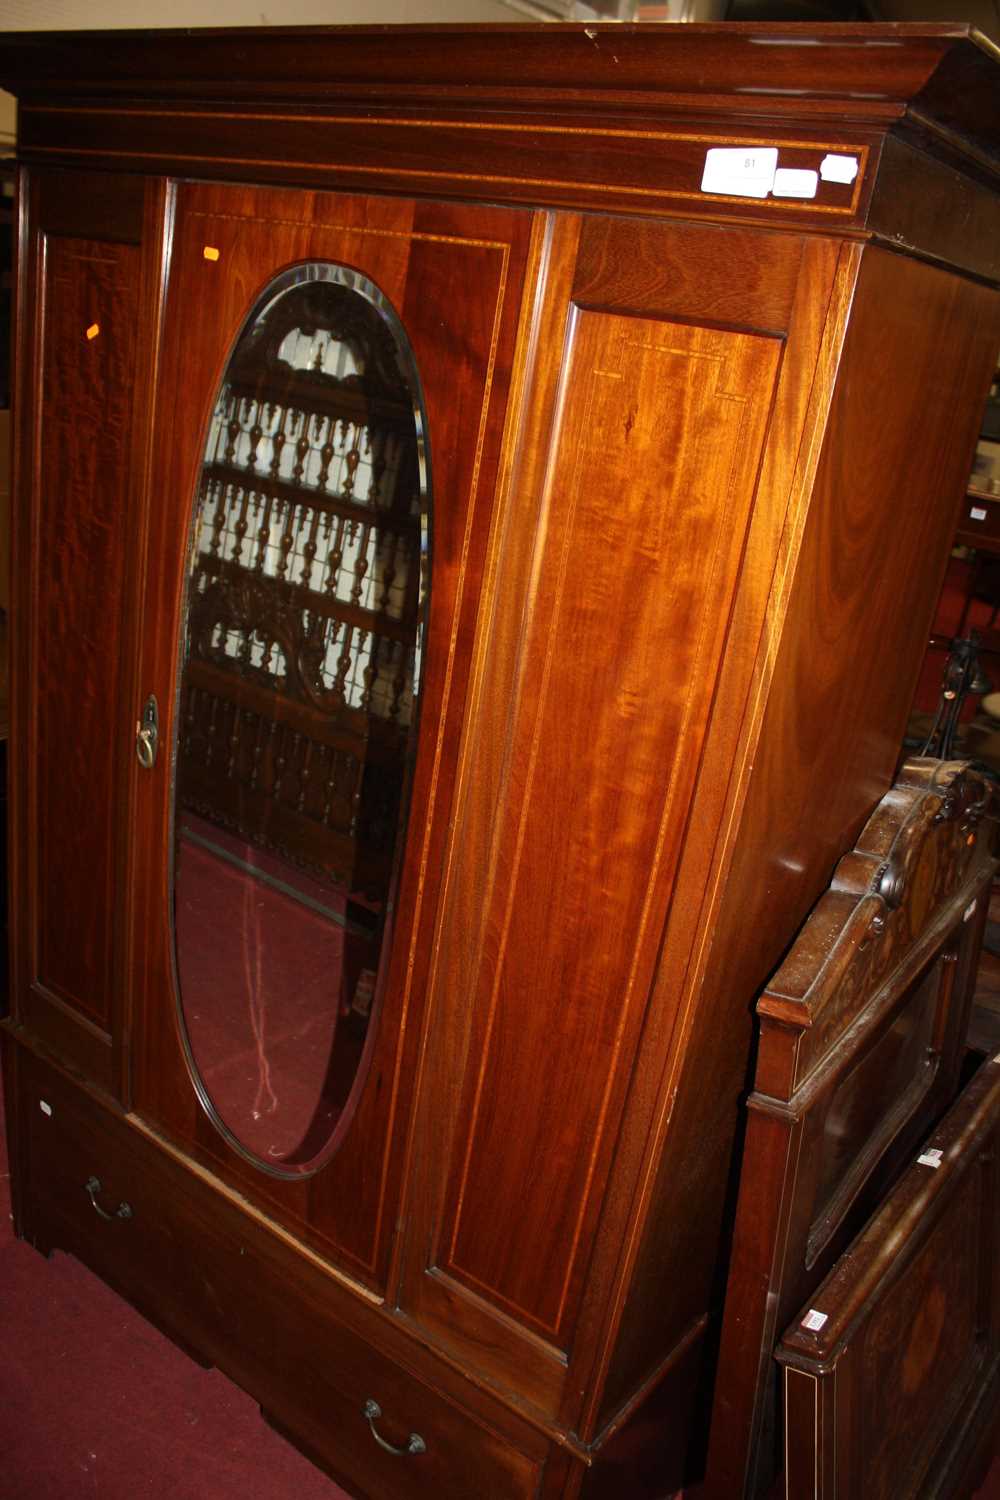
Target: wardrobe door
{"type": "Point", "coordinates": [328, 435]}
{"type": "Point", "coordinates": [84, 356]}
{"type": "Point", "coordinates": [658, 446]}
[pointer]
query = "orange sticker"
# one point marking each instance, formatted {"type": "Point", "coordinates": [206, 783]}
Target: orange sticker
{"type": "Point", "coordinates": [93, 330]}
{"type": "Point", "coordinates": [210, 252]}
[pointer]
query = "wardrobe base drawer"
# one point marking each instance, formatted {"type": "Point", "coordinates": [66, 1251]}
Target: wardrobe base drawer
{"type": "Point", "coordinates": [221, 1283]}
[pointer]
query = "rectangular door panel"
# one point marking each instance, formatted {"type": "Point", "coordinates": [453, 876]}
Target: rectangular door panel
{"type": "Point", "coordinates": [81, 324]}
{"type": "Point", "coordinates": [653, 474]}
{"type": "Point", "coordinates": [87, 376]}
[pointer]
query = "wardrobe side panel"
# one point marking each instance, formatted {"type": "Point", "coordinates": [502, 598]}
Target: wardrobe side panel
{"type": "Point", "coordinates": [911, 382]}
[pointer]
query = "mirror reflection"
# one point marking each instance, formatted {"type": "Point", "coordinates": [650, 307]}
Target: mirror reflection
{"type": "Point", "coordinates": [297, 708]}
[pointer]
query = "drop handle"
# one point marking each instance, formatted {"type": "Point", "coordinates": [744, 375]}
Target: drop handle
{"type": "Point", "coordinates": [93, 1187]}
{"type": "Point", "coordinates": [147, 739]}
{"type": "Point", "coordinates": [416, 1444]}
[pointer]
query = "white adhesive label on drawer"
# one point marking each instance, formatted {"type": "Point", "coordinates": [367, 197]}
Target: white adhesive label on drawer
{"type": "Point", "coordinates": [837, 168]}
{"type": "Point", "coordinates": [740, 171]}
{"type": "Point", "coordinates": [795, 182]}
{"type": "Point", "coordinates": [930, 1158]}
{"type": "Point", "coordinates": [45, 1106]}
{"type": "Point", "coordinates": [814, 1320]}
{"type": "Point", "coordinates": [977, 513]}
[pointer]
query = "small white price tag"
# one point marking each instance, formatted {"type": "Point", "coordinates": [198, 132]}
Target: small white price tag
{"type": "Point", "coordinates": [45, 1107]}
{"type": "Point", "coordinates": [977, 513]}
{"type": "Point", "coordinates": [814, 1320]}
{"type": "Point", "coordinates": [930, 1158]}
{"type": "Point", "coordinates": [795, 182]}
{"type": "Point", "coordinates": [740, 171]}
{"type": "Point", "coordinates": [837, 168]}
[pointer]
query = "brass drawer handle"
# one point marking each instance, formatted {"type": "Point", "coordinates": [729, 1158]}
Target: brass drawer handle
{"type": "Point", "coordinates": [416, 1443]}
{"type": "Point", "coordinates": [93, 1186]}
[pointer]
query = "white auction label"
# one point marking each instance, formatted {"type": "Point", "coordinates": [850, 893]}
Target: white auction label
{"type": "Point", "coordinates": [45, 1106]}
{"type": "Point", "coordinates": [795, 182]}
{"type": "Point", "coordinates": [977, 513]}
{"type": "Point", "coordinates": [837, 168]}
{"type": "Point", "coordinates": [740, 171]}
{"type": "Point", "coordinates": [930, 1158]}
{"type": "Point", "coordinates": [814, 1320]}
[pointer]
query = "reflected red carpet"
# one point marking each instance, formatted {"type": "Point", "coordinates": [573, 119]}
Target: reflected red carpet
{"type": "Point", "coordinates": [260, 976]}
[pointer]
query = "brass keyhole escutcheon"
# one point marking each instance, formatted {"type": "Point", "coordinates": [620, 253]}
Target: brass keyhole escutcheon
{"type": "Point", "coordinates": [147, 740]}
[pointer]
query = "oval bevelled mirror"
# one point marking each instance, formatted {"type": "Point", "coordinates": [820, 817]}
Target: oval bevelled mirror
{"type": "Point", "coordinates": [296, 716]}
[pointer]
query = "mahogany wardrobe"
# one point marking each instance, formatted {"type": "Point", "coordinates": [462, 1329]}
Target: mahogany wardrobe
{"type": "Point", "coordinates": [480, 500]}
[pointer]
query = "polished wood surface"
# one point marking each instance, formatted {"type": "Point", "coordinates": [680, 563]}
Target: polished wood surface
{"type": "Point", "coordinates": [428, 109]}
{"type": "Point", "coordinates": [571, 912]}
{"type": "Point", "coordinates": [86, 375]}
{"type": "Point", "coordinates": [651, 1333]}
{"type": "Point", "coordinates": [677, 608]}
{"type": "Point", "coordinates": [861, 1042]}
{"type": "Point", "coordinates": [919, 202]}
{"type": "Point", "coordinates": [900, 63]}
{"type": "Point", "coordinates": [463, 1321]}
{"type": "Point", "coordinates": [80, 412]}
{"type": "Point", "coordinates": [895, 1394]}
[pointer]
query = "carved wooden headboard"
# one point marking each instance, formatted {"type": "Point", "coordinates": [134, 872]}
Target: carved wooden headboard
{"type": "Point", "coordinates": [862, 1031]}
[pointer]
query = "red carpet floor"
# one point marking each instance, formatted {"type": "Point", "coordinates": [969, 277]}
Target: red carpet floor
{"type": "Point", "coordinates": [96, 1405]}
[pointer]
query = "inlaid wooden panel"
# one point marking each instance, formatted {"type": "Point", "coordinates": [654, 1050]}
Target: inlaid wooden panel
{"type": "Point", "coordinates": [902, 1348]}
{"type": "Point", "coordinates": [656, 461]}
{"type": "Point", "coordinates": [921, 1341]}
{"type": "Point", "coordinates": [87, 372]}
{"type": "Point", "coordinates": [635, 170]}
